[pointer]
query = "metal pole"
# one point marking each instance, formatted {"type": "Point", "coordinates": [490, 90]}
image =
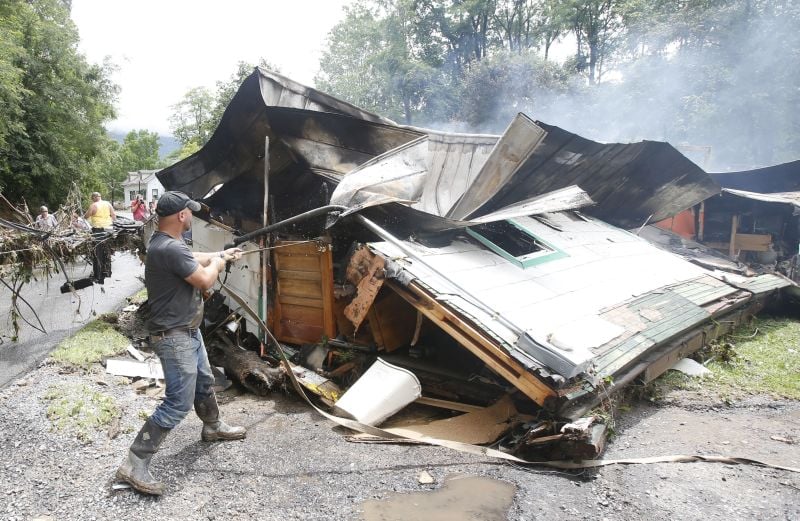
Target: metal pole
{"type": "Point", "coordinates": [265, 264]}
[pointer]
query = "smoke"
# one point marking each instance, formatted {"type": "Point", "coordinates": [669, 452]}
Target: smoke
{"type": "Point", "coordinates": [737, 93]}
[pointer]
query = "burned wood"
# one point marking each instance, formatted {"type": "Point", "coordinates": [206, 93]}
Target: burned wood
{"type": "Point", "coordinates": [247, 367]}
{"type": "Point", "coordinates": [366, 271]}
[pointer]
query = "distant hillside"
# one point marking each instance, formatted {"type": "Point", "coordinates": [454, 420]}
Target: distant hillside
{"type": "Point", "coordinates": [166, 144]}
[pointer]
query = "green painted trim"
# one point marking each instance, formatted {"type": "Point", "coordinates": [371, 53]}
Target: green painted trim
{"type": "Point", "coordinates": [526, 261]}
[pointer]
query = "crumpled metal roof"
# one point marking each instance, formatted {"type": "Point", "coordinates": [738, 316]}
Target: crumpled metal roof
{"type": "Point", "coordinates": [772, 179]}
{"type": "Point", "coordinates": [790, 198]}
{"type": "Point", "coordinates": [468, 175]}
{"type": "Point", "coordinates": [630, 183]}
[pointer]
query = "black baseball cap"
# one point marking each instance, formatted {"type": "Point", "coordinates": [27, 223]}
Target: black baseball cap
{"type": "Point", "coordinates": [173, 202]}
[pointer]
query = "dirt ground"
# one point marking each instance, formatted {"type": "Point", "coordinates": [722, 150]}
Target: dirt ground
{"type": "Point", "coordinates": [295, 464]}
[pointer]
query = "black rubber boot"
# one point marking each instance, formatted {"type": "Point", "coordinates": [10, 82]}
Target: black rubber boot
{"type": "Point", "coordinates": [135, 468]}
{"type": "Point", "coordinates": [215, 429]}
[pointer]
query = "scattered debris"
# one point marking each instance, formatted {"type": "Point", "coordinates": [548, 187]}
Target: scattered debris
{"type": "Point", "coordinates": [425, 479]}
{"type": "Point", "coordinates": [134, 368]}
{"type": "Point", "coordinates": [381, 391]}
{"type": "Point", "coordinates": [690, 367]}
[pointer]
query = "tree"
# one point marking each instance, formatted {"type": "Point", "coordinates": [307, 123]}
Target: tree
{"type": "Point", "coordinates": [52, 102]}
{"type": "Point", "coordinates": [509, 82]}
{"type": "Point", "coordinates": [139, 150]}
{"type": "Point", "coordinates": [192, 119]}
{"type": "Point", "coordinates": [595, 23]}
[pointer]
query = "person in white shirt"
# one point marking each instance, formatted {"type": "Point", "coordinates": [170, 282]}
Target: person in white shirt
{"type": "Point", "coordinates": [45, 221]}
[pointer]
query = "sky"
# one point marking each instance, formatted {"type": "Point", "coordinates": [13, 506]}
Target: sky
{"type": "Point", "coordinates": [164, 48]}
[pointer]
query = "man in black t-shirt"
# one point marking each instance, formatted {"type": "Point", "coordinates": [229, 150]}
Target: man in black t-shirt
{"type": "Point", "coordinates": [175, 278]}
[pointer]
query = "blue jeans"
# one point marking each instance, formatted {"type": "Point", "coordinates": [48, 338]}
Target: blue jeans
{"type": "Point", "coordinates": [187, 374]}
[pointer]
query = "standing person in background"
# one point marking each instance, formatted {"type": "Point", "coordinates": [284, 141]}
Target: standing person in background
{"type": "Point", "coordinates": [45, 221]}
{"type": "Point", "coordinates": [152, 207]}
{"type": "Point", "coordinates": [101, 216]}
{"type": "Point", "coordinates": [175, 277]}
{"type": "Point", "coordinates": [139, 208]}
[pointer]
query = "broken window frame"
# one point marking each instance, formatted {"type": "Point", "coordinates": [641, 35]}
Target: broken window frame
{"type": "Point", "coordinates": [548, 253]}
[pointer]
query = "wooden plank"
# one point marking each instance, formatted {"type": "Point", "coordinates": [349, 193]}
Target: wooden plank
{"type": "Point", "coordinates": [294, 332]}
{"type": "Point", "coordinates": [753, 242]}
{"type": "Point", "coordinates": [326, 284]}
{"type": "Point", "coordinates": [734, 226]}
{"type": "Point", "coordinates": [300, 301]}
{"type": "Point", "coordinates": [307, 315]}
{"type": "Point", "coordinates": [447, 404]}
{"type": "Point", "coordinates": [477, 343]}
{"type": "Point", "coordinates": [372, 278]}
{"type": "Point", "coordinates": [300, 275]}
{"type": "Point", "coordinates": [299, 288]}
{"type": "Point", "coordinates": [296, 262]}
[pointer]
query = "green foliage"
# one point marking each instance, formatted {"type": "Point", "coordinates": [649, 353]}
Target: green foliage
{"type": "Point", "coordinates": [191, 120]}
{"type": "Point", "coordinates": [90, 345]}
{"type": "Point", "coordinates": [526, 78]}
{"type": "Point", "coordinates": [139, 150]}
{"type": "Point", "coordinates": [52, 102]}
{"type": "Point", "coordinates": [78, 409]}
{"type": "Point", "coordinates": [721, 73]}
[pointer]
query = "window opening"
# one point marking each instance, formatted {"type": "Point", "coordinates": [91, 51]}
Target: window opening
{"type": "Point", "coordinates": [516, 243]}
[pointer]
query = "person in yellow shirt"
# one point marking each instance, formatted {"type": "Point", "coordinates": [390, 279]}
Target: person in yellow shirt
{"type": "Point", "coordinates": [101, 217]}
{"type": "Point", "coordinates": [100, 213]}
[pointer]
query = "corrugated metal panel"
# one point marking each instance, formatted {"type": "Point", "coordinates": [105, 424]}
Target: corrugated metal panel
{"type": "Point", "coordinates": [454, 161]}
{"type": "Point", "coordinates": [631, 183]}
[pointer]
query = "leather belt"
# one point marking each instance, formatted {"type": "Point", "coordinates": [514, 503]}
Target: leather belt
{"type": "Point", "coordinates": [161, 335]}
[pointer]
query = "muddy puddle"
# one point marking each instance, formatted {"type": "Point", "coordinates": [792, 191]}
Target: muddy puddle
{"type": "Point", "coordinates": [461, 498]}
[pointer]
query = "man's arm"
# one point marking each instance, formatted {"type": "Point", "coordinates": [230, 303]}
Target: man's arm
{"type": "Point", "coordinates": [204, 258]}
{"type": "Point", "coordinates": [92, 210]}
{"type": "Point", "coordinates": [111, 210]}
{"type": "Point", "coordinates": [205, 275]}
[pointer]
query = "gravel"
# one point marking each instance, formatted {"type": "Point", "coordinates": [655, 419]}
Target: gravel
{"type": "Point", "coordinates": [296, 465]}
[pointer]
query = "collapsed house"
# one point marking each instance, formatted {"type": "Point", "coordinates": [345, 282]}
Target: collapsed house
{"type": "Point", "coordinates": [484, 265]}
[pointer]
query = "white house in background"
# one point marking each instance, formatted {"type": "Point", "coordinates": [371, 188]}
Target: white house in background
{"type": "Point", "coordinates": [142, 182]}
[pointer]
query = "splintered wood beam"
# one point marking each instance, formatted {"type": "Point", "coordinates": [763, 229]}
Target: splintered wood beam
{"type": "Point", "coordinates": [477, 343]}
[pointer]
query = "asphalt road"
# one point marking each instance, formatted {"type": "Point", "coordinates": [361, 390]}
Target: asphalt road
{"type": "Point", "coordinates": [61, 314]}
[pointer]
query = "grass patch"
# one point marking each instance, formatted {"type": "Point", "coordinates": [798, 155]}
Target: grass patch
{"type": "Point", "coordinates": [91, 344]}
{"type": "Point", "coordinates": [139, 297]}
{"type": "Point", "coordinates": [758, 358]}
{"type": "Point", "coordinates": [77, 408]}
{"type": "Point", "coordinates": [765, 362]}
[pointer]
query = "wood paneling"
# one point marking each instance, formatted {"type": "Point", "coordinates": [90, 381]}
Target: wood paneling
{"type": "Point", "coordinates": [304, 293]}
